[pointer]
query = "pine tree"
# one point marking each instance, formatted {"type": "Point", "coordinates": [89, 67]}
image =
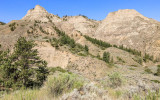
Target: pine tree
{"type": "Point", "coordinates": [86, 48]}
{"type": "Point", "coordinates": [106, 57]}
{"type": "Point", "coordinates": [24, 67]}
{"type": "Point", "coordinates": [5, 68]}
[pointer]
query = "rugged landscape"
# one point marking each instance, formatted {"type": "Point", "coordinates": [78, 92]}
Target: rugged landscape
{"type": "Point", "coordinates": [113, 59]}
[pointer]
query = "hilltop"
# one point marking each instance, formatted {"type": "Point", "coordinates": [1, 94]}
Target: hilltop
{"type": "Point", "coordinates": [125, 46]}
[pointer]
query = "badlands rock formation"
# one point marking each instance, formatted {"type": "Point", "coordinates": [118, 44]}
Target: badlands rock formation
{"type": "Point", "coordinates": [124, 27]}
{"type": "Point", "coordinates": [39, 13]}
{"type": "Point", "coordinates": [127, 27]}
{"type": "Point", "coordinates": [130, 28]}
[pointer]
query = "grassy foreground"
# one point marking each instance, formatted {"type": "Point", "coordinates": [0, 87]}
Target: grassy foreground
{"type": "Point", "coordinates": [54, 87]}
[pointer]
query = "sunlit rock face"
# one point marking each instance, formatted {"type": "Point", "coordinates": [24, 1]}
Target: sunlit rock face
{"type": "Point", "coordinates": [130, 28]}
{"type": "Point", "coordinates": [39, 13]}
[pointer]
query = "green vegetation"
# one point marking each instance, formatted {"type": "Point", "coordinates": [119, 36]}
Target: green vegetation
{"type": "Point", "coordinates": [64, 39]}
{"type": "Point", "coordinates": [37, 21]}
{"type": "Point", "coordinates": [149, 96]}
{"type": "Point", "coordinates": [53, 70]}
{"type": "Point", "coordinates": [23, 67]}
{"type": "Point", "coordinates": [153, 96]}
{"type": "Point", "coordinates": [115, 80]}
{"type": "Point", "coordinates": [107, 45]}
{"type": "Point", "coordinates": [135, 52]}
{"type": "Point", "coordinates": [120, 60]}
{"type": "Point", "coordinates": [83, 16]}
{"type": "Point", "coordinates": [106, 57]}
{"type": "Point", "coordinates": [22, 94]}
{"type": "Point", "coordinates": [43, 31]}
{"type": "Point", "coordinates": [147, 57]}
{"type": "Point", "coordinates": [132, 51]}
{"type": "Point", "coordinates": [29, 32]}
{"type": "Point", "coordinates": [138, 59]}
{"type": "Point", "coordinates": [156, 81]}
{"type": "Point", "coordinates": [12, 26]}
{"type": "Point", "coordinates": [86, 48]}
{"type": "Point", "coordinates": [118, 93]}
{"type": "Point", "coordinates": [49, 19]}
{"type": "Point", "coordinates": [63, 83]}
{"type": "Point", "coordinates": [132, 68]}
{"type": "Point", "coordinates": [56, 85]}
{"type": "Point", "coordinates": [158, 71]}
{"type": "Point", "coordinates": [157, 59]}
{"type": "Point", "coordinates": [98, 42]}
{"type": "Point", "coordinates": [54, 42]}
{"type": "Point", "coordinates": [134, 65]}
{"type": "Point", "coordinates": [147, 70]}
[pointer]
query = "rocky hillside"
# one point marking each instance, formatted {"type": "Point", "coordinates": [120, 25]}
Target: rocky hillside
{"type": "Point", "coordinates": [125, 46]}
{"type": "Point", "coordinates": [130, 28]}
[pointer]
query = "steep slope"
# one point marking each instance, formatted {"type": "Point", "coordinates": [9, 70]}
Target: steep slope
{"type": "Point", "coordinates": [61, 42]}
{"type": "Point", "coordinates": [39, 13]}
{"type": "Point", "coordinates": [130, 28]}
{"type": "Point", "coordinates": [38, 25]}
{"type": "Point", "coordinates": [69, 24]}
{"type": "Point", "coordinates": [81, 24]}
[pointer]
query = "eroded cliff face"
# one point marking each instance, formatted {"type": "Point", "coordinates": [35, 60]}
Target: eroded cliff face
{"type": "Point", "coordinates": [127, 27]}
{"type": "Point", "coordinates": [40, 14]}
{"type": "Point", "coordinates": [124, 27]}
{"type": "Point", "coordinates": [130, 28]}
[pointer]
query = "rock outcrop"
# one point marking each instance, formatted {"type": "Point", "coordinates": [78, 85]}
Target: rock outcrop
{"type": "Point", "coordinates": [40, 14]}
{"type": "Point", "coordinates": [130, 28]}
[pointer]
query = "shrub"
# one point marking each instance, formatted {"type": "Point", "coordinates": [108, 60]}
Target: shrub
{"type": "Point", "coordinates": [53, 70]}
{"type": "Point", "coordinates": [147, 70]}
{"type": "Point", "coordinates": [138, 60]}
{"type": "Point", "coordinates": [12, 26]}
{"type": "Point", "coordinates": [63, 83]}
{"type": "Point", "coordinates": [155, 81]}
{"type": "Point", "coordinates": [86, 48]}
{"type": "Point", "coordinates": [43, 31]}
{"type": "Point", "coordinates": [82, 54]}
{"type": "Point", "coordinates": [106, 57]}
{"type": "Point", "coordinates": [147, 57]}
{"type": "Point", "coordinates": [153, 96]}
{"type": "Point", "coordinates": [158, 70]}
{"type": "Point", "coordinates": [115, 80]}
{"type": "Point", "coordinates": [120, 60]}
{"type": "Point", "coordinates": [118, 93]}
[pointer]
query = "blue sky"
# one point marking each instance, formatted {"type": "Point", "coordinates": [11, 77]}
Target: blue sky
{"type": "Point", "coordinates": [94, 9]}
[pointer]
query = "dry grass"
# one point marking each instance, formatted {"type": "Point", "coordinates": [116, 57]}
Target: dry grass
{"type": "Point", "coordinates": [55, 86]}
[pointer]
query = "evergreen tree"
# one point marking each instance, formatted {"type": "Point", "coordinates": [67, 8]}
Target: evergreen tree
{"type": "Point", "coordinates": [5, 68]}
{"type": "Point", "coordinates": [86, 48]}
{"type": "Point", "coordinates": [24, 67]}
{"type": "Point", "coordinates": [106, 57]}
{"type": "Point", "coordinates": [98, 42]}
